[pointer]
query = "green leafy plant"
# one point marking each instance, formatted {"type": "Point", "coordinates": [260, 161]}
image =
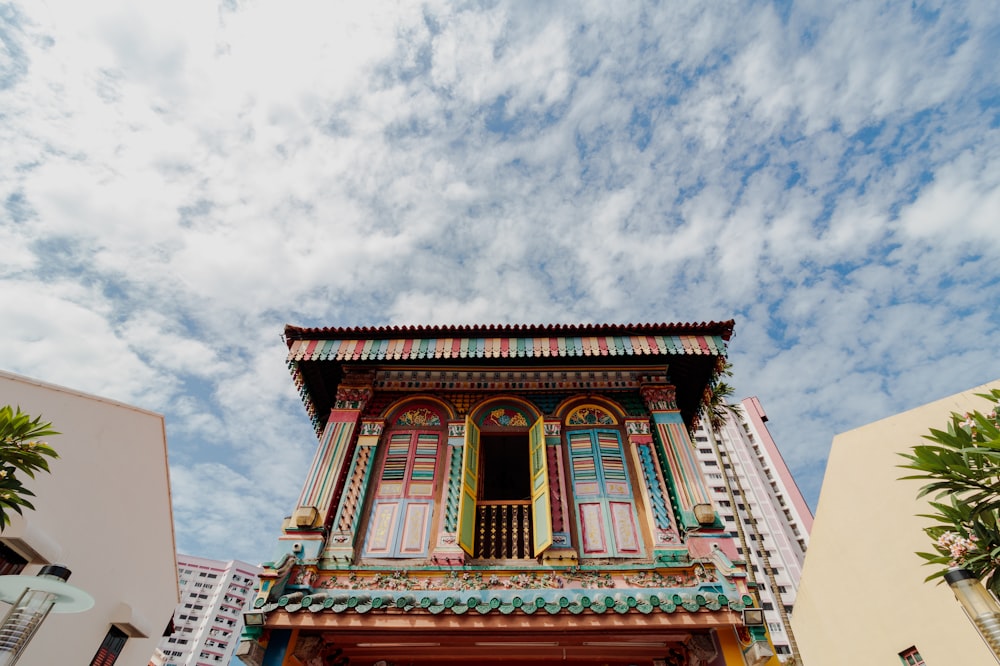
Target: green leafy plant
{"type": "Point", "coordinates": [717, 405]}
{"type": "Point", "coordinates": [962, 466]}
{"type": "Point", "coordinates": [20, 451]}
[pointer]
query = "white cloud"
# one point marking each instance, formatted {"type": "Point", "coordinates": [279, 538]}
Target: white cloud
{"type": "Point", "coordinates": [181, 181]}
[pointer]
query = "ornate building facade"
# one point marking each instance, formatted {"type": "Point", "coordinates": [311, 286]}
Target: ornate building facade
{"type": "Point", "coordinates": [524, 494]}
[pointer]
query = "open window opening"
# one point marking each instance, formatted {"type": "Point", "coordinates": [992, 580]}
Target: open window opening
{"type": "Point", "coordinates": [504, 509]}
{"type": "Point", "coordinates": [505, 472]}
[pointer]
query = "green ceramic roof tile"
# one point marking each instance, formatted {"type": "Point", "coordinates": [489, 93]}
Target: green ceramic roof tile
{"type": "Point", "coordinates": [552, 601]}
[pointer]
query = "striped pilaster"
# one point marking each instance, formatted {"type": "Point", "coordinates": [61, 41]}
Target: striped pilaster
{"type": "Point", "coordinates": [692, 501]}
{"type": "Point", "coordinates": [315, 502]}
{"type": "Point", "coordinates": [341, 544]}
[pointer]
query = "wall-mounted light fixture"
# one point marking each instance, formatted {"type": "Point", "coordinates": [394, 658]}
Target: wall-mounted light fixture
{"type": "Point", "coordinates": [33, 598]}
{"type": "Point", "coordinates": [978, 604]}
{"type": "Point", "coordinates": [253, 619]}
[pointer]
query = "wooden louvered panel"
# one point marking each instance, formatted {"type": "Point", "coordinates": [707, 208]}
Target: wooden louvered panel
{"type": "Point", "coordinates": [394, 468]}
{"type": "Point", "coordinates": [400, 519]}
{"type": "Point", "coordinates": [605, 509]}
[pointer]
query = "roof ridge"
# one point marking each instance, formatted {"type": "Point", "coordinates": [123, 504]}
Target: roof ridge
{"type": "Point", "coordinates": [293, 333]}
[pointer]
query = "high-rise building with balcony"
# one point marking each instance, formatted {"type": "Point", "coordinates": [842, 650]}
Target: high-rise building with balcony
{"type": "Point", "coordinates": [759, 501]}
{"type": "Point", "coordinates": [209, 617]}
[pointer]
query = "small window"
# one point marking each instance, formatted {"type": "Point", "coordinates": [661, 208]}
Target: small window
{"type": "Point", "coordinates": [10, 562]}
{"type": "Point", "coordinates": [911, 657]}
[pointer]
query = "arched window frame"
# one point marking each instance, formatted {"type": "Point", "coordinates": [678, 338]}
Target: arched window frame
{"type": "Point", "coordinates": [406, 485]}
{"type": "Point", "coordinates": [603, 482]}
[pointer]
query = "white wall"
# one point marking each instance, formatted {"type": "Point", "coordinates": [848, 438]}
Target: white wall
{"type": "Point", "coordinates": [105, 513]}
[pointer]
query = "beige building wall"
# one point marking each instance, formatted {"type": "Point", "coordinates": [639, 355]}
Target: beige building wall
{"type": "Point", "coordinates": [862, 599]}
{"type": "Point", "coordinates": [105, 513]}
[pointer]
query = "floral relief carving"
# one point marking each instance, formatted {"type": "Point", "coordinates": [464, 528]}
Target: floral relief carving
{"type": "Point", "coordinates": [371, 428]}
{"type": "Point", "coordinates": [505, 418]}
{"type": "Point", "coordinates": [659, 398]}
{"type": "Point", "coordinates": [352, 397]}
{"type": "Point", "coordinates": [421, 416]}
{"type": "Point", "coordinates": [590, 416]}
{"type": "Point", "coordinates": [531, 580]}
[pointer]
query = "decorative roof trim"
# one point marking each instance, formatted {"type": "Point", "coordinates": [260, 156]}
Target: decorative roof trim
{"type": "Point", "coordinates": [723, 329]}
{"type": "Point", "coordinates": [409, 349]}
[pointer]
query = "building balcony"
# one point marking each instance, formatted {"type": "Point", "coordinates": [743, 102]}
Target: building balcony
{"type": "Point", "coordinates": [503, 530]}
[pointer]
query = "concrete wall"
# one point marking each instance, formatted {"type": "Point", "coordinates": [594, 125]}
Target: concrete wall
{"type": "Point", "coordinates": [105, 513]}
{"type": "Point", "coordinates": [862, 598]}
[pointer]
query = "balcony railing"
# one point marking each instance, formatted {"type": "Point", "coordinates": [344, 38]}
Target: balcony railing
{"type": "Point", "coordinates": [503, 530]}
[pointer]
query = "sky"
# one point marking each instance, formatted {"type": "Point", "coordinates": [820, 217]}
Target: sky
{"type": "Point", "coordinates": [179, 180]}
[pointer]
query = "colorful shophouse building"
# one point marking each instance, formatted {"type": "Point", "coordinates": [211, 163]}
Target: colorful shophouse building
{"type": "Point", "coordinates": [515, 494]}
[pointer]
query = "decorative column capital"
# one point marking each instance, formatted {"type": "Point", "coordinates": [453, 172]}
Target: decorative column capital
{"type": "Point", "coordinates": [355, 389]}
{"type": "Point", "coordinates": [372, 427]}
{"type": "Point", "coordinates": [659, 397]}
{"type": "Point", "coordinates": [637, 426]}
{"type": "Point", "coordinates": [353, 397]}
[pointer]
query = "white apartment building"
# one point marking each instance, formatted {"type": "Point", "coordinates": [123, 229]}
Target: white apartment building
{"type": "Point", "coordinates": [209, 617]}
{"type": "Point", "coordinates": [764, 509]}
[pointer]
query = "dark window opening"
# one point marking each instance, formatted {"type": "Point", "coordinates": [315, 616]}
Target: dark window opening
{"type": "Point", "coordinates": [10, 562]}
{"type": "Point", "coordinates": [506, 474]}
{"type": "Point", "coordinates": [111, 647]}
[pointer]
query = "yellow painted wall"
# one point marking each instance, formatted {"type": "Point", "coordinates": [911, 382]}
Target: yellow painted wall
{"type": "Point", "coordinates": [732, 651]}
{"type": "Point", "coordinates": [862, 598]}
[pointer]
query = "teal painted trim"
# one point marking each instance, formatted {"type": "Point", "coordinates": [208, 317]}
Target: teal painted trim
{"type": "Point", "coordinates": [356, 519]}
{"type": "Point", "coordinates": [659, 503]}
{"type": "Point", "coordinates": [645, 600]}
{"type": "Point", "coordinates": [667, 417]}
{"type": "Point", "coordinates": [251, 633]}
{"type": "Point", "coordinates": [455, 445]}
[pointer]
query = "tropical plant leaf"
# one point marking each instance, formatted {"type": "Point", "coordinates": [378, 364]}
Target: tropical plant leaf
{"type": "Point", "coordinates": [960, 466]}
{"type": "Point", "coordinates": [21, 451]}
